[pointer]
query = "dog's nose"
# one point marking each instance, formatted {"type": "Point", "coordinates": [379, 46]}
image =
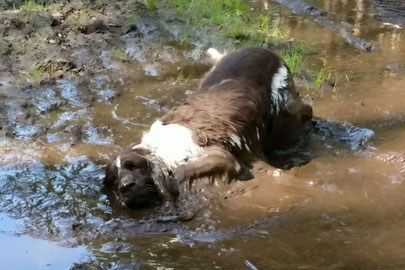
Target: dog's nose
{"type": "Point", "coordinates": [126, 183]}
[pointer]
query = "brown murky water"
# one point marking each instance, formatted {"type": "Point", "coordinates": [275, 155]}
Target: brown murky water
{"type": "Point", "coordinates": [342, 210]}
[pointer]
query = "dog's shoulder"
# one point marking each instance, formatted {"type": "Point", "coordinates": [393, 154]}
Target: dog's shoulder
{"type": "Point", "coordinates": [255, 65]}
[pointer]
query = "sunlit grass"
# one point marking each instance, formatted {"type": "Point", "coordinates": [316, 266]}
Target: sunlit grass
{"type": "Point", "coordinates": [294, 60]}
{"type": "Point", "coordinates": [82, 16]}
{"type": "Point", "coordinates": [184, 35]}
{"type": "Point", "coordinates": [132, 18]}
{"type": "Point", "coordinates": [119, 54]}
{"type": "Point", "coordinates": [323, 75]}
{"type": "Point", "coordinates": [267, 29]}
{"type": "Point", "coordinates": [180, 78]}
{"type": "Point", "coordinates": [32, 5]}
{"type": "Point", "coordinates": [321, 80]}
{"type": "Point", "coordinates": [151, 4]}
{"type": "Point", "coordinates": [36, 75]}
{"type": "Point", "coordinates": [233, 18]}
{"type": "Point", "coordinates": [216, 12]}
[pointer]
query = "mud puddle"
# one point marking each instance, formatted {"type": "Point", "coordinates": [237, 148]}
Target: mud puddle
{"type": "Point", "coordinates": [24, 252]}
{"type": "Point", "coordinates": [341, 210]}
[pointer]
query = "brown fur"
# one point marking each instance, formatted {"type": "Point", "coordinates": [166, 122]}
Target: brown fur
{"type": "Point", "coordinates": [215, 114]}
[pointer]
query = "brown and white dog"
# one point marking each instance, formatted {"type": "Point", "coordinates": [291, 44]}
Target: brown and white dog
{"type": "Point", "coordinates": [246, 108]}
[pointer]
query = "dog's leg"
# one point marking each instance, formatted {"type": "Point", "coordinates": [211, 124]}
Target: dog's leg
{"type": "Point", "coordinates": [159, 177]}
{"type": "Point", "coordinates": [211, 161]}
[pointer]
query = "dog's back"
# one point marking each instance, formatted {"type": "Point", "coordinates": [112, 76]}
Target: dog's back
{"type": "Point", "coordinates": [231, 114]}
{"type": "Point", "coordinates": [247, 103]}
{"type": "Point", "coordinates": [253, 65]}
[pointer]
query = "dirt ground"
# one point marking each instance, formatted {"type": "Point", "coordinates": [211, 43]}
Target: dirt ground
{"type": "Point", "coordinates": [78, 42]}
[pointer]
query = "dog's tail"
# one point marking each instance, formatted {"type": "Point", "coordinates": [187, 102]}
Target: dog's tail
{"type": "Point", "coordinates": [214, 55]}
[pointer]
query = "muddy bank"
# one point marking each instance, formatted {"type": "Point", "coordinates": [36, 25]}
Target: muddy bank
{"type": "Point", "coordinates": [61, 59]}
{"type": "Point", "coordinates": [391, 11]}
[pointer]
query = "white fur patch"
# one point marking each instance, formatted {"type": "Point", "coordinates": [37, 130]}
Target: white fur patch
{"type": "Point", "coordinates": [118, 162]}
{"type": "Point", "coordinates": [258, 133]}
{"type": "Point", "coordinates": [235, 140]}
{"type": "Point", "coordinates": [172, 143]}
{"type": "Point", "coordinates": [278, 82]}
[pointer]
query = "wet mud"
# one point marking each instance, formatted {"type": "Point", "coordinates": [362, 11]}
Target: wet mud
{"type": "Point", "coordinates": [336, 204]}
{"type": "Point", "coordinates": [390, 11]}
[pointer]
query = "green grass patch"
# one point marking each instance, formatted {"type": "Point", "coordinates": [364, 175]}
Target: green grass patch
{"type": "Point", "coordinates": [151, 4]}
{"type": "Point", "coordinates": [119, 54]}
{"type": "Point", "coordinates": [132, 19]}
{"type": "Point", "coordinates": [180, 78]}
{"type": "Point", "coordinates": [82, 16]}
{"type": "Point", "coordinates": [32, 5]}
{"type": "Point", "coordinates": [214, 12]}
{"type": "Point", "coordinates": [320, 77]}
{"type": "Point", "coordinates": [264, 29]}
{"type": "Point", "coordinates": [36, 75]}
{"type": "Point", "coordinates": [184, 35]}
{"type": "Point", "coordinates": [233, 18]}
{"type": "Point", "coordinates": [294, 60]}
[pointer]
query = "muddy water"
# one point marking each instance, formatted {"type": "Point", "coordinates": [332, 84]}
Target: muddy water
{"type": "Point", "coordinates": [342, 210]}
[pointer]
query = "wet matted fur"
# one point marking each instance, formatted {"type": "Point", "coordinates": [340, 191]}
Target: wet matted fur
{"type": "Point", "coordinates": [246, 108]}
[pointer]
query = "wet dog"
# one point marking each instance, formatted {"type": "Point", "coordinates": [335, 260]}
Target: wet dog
{"type": "Point", "coordinates": [245, 109]}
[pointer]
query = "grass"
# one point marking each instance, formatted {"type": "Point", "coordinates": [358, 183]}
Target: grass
{"type": "Point", "coordinates": [82, 16]}
{"type": "Point", "coordinates": [236, 30]}
{"type": "Point", "coordinates": [36, 75]}
{"type": "Point", "coordinates": [132, 19]}
{"type": "Point", "coordinates": [32, 5]}
{"type": "Point", "coordinates": [119, 54]}
{"type": "Point", "coordinates": [315, 84]}
{"type": "Point", "coordinates": [184, 35]}
{"type": "Point", "coordinates": [151, 4]}
{"type": "Point", "coordinates": [210, 11]}
{"type": "Point", "coordinates": [232, 18]}
{"type": "Point", "coordinates": [265, 30]}
{"type": "Point", "coordinates": [180, 78]}
{"type": "Point", "coordinates": [320, 77]}
{"type": "Point", "coordinates": [294, 59]}
{"type": "Point", "coordinates": [318, 80]}
{"type": "Point", "coordinates": [335, 90]}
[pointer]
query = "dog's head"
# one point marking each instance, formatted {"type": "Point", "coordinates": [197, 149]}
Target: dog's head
{"type": "Point", "coordinates": [130, 175]}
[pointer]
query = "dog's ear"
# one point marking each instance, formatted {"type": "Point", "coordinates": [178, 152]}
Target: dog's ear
{"type": "Point", "coordinates": [134, 159]}
{"type": "Point", "coordinates": [111, 173]}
